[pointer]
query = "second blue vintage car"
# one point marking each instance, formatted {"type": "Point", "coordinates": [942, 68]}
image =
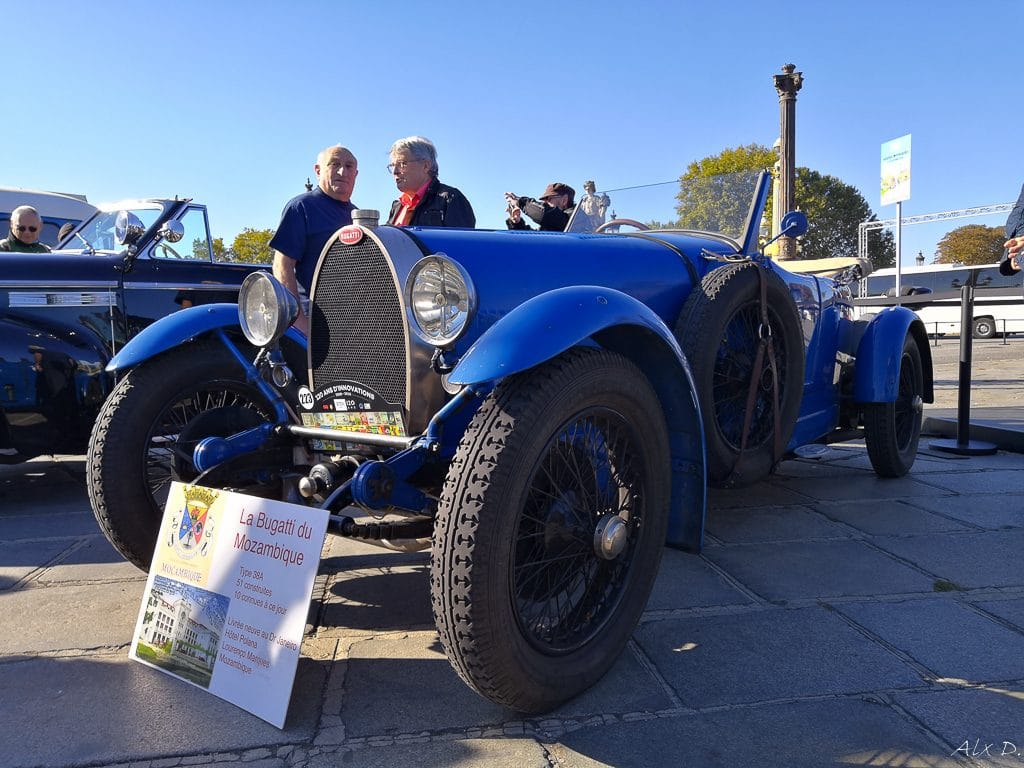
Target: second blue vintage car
{"type": "Point", "coordinates": [65, 314]}
{"type": "Point", "coordinates": [544, 411]}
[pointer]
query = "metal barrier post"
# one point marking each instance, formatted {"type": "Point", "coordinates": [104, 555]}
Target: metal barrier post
{"type": "Point", "coordinates": [963, 445]}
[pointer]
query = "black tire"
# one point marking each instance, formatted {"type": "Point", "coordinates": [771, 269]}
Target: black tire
{"type": "Point", "coordinates": [142, 440]}
{"type": "Point", "coordinates": [528, 612]}
{"type": "Point", "coordinates": [984, 328]}
{"type": "Point", "coordinates": [892, 430]}
{"type": "Point", "coordinates": [718, 331]}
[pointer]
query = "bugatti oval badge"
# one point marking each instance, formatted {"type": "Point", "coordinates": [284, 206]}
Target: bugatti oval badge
{"type": "Point", "coordinates": [351, 234]}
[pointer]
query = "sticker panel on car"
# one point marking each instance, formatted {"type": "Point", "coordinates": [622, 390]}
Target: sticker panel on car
{"type": "Point", "coordinates": [350, 407]}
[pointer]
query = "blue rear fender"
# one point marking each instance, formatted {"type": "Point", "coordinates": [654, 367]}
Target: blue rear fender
{"type": "Point", "coordinates": [876, 375]}
{"type": "Point", "coordinates": [551, 323]}
{"type": "Point", "coordinates": [175, 329]}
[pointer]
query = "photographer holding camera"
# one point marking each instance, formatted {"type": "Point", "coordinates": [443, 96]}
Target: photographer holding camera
{"type": "Point", "coordinates": [551, 213]}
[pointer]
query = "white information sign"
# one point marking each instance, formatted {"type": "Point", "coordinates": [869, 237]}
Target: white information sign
{"type": "Point", "coordinates": [896, 170]}
{"type": "Point", "coordinates": [228, 594]}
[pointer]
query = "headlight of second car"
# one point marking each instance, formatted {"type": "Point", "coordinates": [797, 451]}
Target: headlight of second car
{"type": "Point", "coordinates": [265, 309]}
{"type": "Point", "coordinates": [441, 299]}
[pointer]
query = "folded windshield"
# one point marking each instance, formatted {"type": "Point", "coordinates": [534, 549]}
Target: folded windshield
{"type": "Point", "coordinates": [718, 204]}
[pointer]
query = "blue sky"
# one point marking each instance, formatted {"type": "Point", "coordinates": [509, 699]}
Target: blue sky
{"type": "Point", "coordinates": [229, 102]}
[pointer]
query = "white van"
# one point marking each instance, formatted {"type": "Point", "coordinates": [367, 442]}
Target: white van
{"type": "Point", "coordinates": [55, 209]}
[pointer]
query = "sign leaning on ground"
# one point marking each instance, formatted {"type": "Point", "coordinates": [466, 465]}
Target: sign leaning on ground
{"type": "Point", "coordinates": [228, 593]}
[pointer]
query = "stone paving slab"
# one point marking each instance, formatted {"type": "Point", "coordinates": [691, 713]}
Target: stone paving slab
{"type": "Point", "coordinates": [108, 613]}
{"type": "Point", "coordinates": [1008, 610]}
{"type": "Point", "coordinates": [971, 719]}
{"type": "Point", "coordinates": [796, 735]}
{"type": "Point", "coordinates": [864, 488]}
{"type": "Point", "coordinates": [762, 524]}
{"type": "Point", "coordinates": [895, 517]}
{"type": "Point", "coordinates": [93, 560]}
{"type": "Point", "coordinates": [513, 752]}
{"type": "Point", "coordinates": [106, 709]}
{"type": "Point", "coordinates": [55, 525]}
{"type": "Point", "coordinates": [767, 495]}
{"type": "Point", "coordinates": [767, 655]}
{"type": "Point", "coordinates": [687, 581]}
{"type": "Point", "coordinates": [802, 570]}
{"type": "Point", "coordinates": [19, 559]}
{"type": "Point", "coordinates": [377, 600]}
{"type": "Point", "coordinates": [945, 636]}
{"type": "Point", "coordinates": [425, 693]}
{"type": "Point", "coordinates": [971, 560]}
{"type": "Point", "coordinates": [964, 480]}
{"type": "Point", "coordinates": [996, 511]}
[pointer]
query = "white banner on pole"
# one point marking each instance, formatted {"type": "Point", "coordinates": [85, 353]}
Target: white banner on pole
{"type": "Point", "coordinates": [896, 189]}
{"type": "Point", "coordinates": [896, 170]}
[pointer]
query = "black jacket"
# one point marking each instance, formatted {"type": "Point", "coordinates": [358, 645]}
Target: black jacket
{"type": "Point", "coordinates": [1014, 228]}
{"type": "Point", "coordinates": [549, 218]}
{"type": "Point", "coordinates": [441, 206]}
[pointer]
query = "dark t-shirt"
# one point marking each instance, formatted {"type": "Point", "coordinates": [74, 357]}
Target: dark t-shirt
{"type": "Point", "coordinates": [307, 223]}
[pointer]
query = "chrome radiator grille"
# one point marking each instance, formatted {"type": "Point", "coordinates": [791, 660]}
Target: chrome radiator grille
{"type": "Point", "coordinates": [357, 330]}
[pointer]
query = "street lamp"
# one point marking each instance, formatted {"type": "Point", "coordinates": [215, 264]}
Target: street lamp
{"type": "Point", "coordinates": [787, 84]}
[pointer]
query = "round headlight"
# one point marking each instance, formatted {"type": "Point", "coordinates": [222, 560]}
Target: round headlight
{"type": "Point", "coordinates": [265, 309]}
{"type": "Point", "coordinates": [441, 299]}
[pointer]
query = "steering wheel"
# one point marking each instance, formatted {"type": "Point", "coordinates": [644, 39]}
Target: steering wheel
{"type": "Point", "coordinates": [616, 223]}
{"type": "Point", "coordinates": [168, 250]}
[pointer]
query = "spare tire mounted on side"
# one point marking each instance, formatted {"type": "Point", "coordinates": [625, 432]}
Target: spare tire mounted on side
{"type": "Point", "coordinates": [720, 329]}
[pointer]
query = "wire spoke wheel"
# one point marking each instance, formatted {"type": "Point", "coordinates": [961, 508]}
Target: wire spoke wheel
{"type": "Point", "coordinates": [550, 528]}
{"type": "Point", "coordinates": [147, 430]}
{"type": "Point", "coordinates": [563, 589]}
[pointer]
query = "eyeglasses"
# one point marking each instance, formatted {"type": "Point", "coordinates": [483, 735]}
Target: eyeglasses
{"type": "Point", "coordinates": [22, 228]}
{"type": "Point", "coordinates": [400, 165]}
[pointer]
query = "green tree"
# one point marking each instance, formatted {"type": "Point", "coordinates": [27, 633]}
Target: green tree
{"type": "Point", "coordinates": [253, 246]}
{"type": "Point", "coordinates": [971, 244]}
{"type": "Point", "coordinates": [219, 252]}
{"type": "Point", "coordinates": [834, 213]}
{"type": "Point", "coordinates": [708, 199]}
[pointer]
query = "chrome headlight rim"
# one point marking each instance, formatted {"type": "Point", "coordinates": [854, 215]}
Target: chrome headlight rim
{"type": "Point", "coordinates": [266, 309]}
{"type": "Point", "coordinates": [442, 338]}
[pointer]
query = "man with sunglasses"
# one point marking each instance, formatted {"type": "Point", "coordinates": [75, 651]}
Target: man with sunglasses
{"type": "Point", "coordinates": [26, 226]}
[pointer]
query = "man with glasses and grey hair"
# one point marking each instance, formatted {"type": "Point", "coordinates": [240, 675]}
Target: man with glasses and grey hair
{"type": "Point", "coordinates": [26, 226]}
{"type": "Point", "coordinates": [424, 201]}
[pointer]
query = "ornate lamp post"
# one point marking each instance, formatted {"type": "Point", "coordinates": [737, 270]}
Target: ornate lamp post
{"type": "Point", "coordinates": [787, 84]}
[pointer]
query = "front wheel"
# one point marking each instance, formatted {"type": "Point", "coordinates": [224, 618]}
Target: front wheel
{"type": "Point", "coordinates": [550, 529]}
{"type": "Point", "coordinates": [146, 432]}
{"type": "Point", "coordinates": [892, 430]}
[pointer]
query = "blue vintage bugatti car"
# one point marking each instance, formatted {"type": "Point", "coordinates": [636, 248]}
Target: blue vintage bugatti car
{"type": "Point", "coordinates": [544, 411]}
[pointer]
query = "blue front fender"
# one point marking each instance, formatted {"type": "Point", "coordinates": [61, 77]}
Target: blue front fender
{"type": "Point", "coordinates": [549, 324]}
{"type": "Point", "coordinates": [176, 329]}
{"type": "Point", "coordinates": [876, 376]}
